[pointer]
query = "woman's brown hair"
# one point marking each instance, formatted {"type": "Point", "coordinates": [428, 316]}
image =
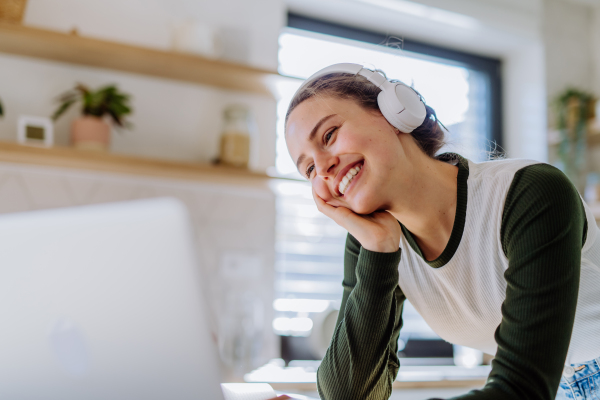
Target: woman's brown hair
{"type": "Point", "coordinates": [429, 135]}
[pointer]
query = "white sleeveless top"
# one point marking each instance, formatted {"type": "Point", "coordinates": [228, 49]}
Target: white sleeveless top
{"type": "Point", "coordinates": [462, 300]}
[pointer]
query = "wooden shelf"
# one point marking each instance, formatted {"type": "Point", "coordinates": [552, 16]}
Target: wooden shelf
{"type": "Point", "coordinates": [57, 46]}
{"type": "Point", "coordinates": [66, 157]}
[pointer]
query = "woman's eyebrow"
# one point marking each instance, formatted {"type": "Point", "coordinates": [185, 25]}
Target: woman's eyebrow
{"type": "Point", "coordinates": [317, 126]}
{"type": "Point", "coordinates": [312, 136]}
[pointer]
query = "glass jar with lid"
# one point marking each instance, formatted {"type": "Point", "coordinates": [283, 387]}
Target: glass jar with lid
{"type": "Point", "coordinates": [235, 138]}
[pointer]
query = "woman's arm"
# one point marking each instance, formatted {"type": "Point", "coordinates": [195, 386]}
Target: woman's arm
{"type": "Point", "coordinates": [543, 231]}
{"type": "Point", "coordinates": [362, 362]}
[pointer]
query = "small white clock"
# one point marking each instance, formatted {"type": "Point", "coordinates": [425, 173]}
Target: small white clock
{"type": "Point", "coordinates": [35, 130]}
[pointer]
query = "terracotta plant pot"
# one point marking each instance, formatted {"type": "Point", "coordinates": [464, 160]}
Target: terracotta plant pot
{"type": "Point", "coordinates": [12, 10]}
{"type": "Point", "coordinates": [90, 133]}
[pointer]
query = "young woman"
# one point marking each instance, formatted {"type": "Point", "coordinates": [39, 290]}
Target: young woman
{"type": "Point", "coordinates": [501, 256]}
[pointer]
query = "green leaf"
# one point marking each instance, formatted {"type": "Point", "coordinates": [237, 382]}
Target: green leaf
{"type": "Point", "coordinates": [119, 109]}
{"type": "Point", "coordinates": [115, 118]}
{"type": "Point", "coordinates": [82, 89]}
{"type": "Point", "coordinates": [62, 108]}
{"type": "Point", "coordinates": [67, 96]}
{"type": "Point", "coordinates": [107, 100]}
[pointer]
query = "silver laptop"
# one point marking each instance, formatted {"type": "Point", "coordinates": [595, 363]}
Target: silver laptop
{"type": "Point", "coordinates": [103, 302]}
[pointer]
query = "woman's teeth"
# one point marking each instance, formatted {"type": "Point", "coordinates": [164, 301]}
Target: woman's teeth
{"type": "Point", "coordinates": [348, 178]}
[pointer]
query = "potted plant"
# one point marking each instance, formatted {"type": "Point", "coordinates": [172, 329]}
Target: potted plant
{"type": "Point", "coordinates": [574, 111]}
{"type": "Point", "coordinates": [91, 131]}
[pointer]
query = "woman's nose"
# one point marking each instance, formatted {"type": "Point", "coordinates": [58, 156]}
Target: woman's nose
{"type": "Point", "coordinates": [325, 166]}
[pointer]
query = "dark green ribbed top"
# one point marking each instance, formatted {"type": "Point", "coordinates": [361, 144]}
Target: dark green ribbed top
{"type": "Point", "coordinates": [542, 232]}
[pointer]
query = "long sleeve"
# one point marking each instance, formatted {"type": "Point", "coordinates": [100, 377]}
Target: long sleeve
{"type": "Point", "coordinates": [362, 362]}
{"type": "Point", "coordinates": [542, 233]}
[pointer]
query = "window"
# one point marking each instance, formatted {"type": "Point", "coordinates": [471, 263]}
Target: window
{"type": "Point", "coordinates": [463, 89]}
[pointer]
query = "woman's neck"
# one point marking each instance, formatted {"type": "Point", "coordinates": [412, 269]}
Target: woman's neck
{"type": "Point", "coordinates": [425, 202]}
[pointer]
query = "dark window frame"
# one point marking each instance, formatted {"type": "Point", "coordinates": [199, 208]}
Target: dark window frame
{"type": "Point", "coordinates": [491, 67]}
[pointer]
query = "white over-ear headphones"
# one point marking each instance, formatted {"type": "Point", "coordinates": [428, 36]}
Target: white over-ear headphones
{"type": "Point", "coordinates": [400, 104]}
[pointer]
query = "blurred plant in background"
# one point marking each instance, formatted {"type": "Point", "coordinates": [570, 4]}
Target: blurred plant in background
{"type": "Point", "coordinates": [106, 101]}
{"type": "Point", "coordinates": [574, 111]}
{"type": "Point", "coordinates": [1, 109]}
{"type": "Point", "coordinates": [90, 131]}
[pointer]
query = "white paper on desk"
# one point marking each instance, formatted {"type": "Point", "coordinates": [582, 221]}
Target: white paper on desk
{"type": "Point", "coordinates": [247, 391]}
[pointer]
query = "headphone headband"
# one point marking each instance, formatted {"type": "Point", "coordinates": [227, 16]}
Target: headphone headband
{"type": "Point", "coordinates": [400, 104]}
{"type": "Point", "coordinates": [348, 68]}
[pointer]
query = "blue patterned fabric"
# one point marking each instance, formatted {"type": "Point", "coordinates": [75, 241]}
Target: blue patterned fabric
{"type": "Point", "coordinates": [584, 384]}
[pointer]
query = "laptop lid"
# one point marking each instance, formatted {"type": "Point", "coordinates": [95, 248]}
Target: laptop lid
{"type": "Point", "coordinates": [103, 302]}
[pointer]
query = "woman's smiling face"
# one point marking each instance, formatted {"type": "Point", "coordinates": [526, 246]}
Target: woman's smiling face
{"type": "Point", "coordinates": [331, 138]}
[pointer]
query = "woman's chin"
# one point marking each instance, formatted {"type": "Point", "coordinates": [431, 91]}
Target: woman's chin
{"type": "Point", "coordinates": [361, 207]}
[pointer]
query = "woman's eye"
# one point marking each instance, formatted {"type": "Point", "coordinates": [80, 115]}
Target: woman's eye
{"type": "Point", "coordinates": [329, 134]}
{"type": "Point", "coordinates": [309, 170]}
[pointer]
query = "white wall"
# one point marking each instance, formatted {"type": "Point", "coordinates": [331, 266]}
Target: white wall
{"type": "Point", "coordinates": [568, 40]}
{"type": "Point", "coordinates": [595, 44]}
{"type": "Point", "coordinates": [172, 119]}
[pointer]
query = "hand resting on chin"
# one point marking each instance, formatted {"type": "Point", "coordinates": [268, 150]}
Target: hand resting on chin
{"type": "Point", "coordinates": [379, 231]}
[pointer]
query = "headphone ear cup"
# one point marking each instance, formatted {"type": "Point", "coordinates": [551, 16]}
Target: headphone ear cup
{"type": "Point", "coordinates": [401, 106]}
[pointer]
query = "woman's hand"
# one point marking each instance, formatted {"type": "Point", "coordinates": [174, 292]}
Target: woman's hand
{"type": "Point", "coordinates": [379, 231]}
{"type": "Point", "coordinates": [283, 397]}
